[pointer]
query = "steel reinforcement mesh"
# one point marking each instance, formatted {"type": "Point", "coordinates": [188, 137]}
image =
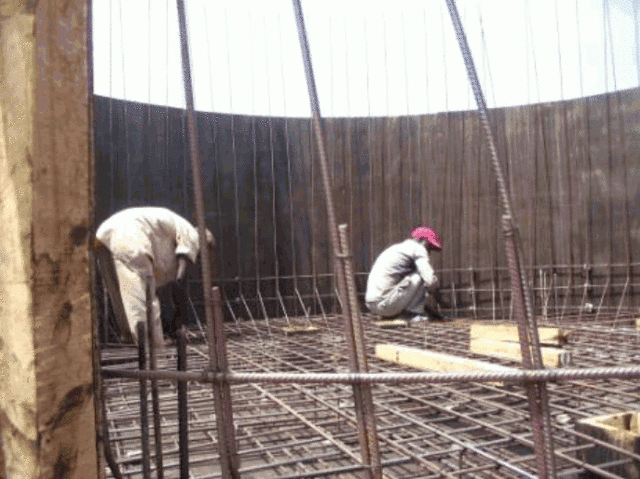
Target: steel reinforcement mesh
{"type": "Point", "coordinates": [462, 429]}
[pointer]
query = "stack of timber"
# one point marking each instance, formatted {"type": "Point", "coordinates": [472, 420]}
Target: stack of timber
{"type": "Point", "coordinates": [502, 341]}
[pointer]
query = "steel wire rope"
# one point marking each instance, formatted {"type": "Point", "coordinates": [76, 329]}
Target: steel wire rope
{"type": "Point", "coordinates": [214, 129]}
{"type": "Point", "coordinates": [387, 178]}
{"type": "Point", "coordinates": [254, 150]}
{"type": "Point", "coordinates": [407, 121]}
{"type": "Point", "coordinates": [294, 249]}
{"type": "Point", "coordinates": [622, 140]}
{"type": "Point", "coordinates": [240, 299]}
{"type": "Point", "coordinates": [274, 217]}
{"type": "Point", "coordinates": [372, 214]}
{"type": "Point", "coordinates": [588, 257]}
{"type": "Point", "coordinates": [349, 121]}
{"type": "Point", "coordinates": [112, 167]}
{"type": "Point", "coordinates": [610, 205]}
{"type": "Point", "coordinates": [447, 206]}
{"type": "Point", "coordinates": [126, 114]}
{"type": "Point", "coordinates": [567, 159]}
{"type": "Point", "coordinates": [488, 79]}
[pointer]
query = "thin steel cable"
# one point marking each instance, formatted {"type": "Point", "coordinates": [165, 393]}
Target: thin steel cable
{"type": "Point", "coordinates": [621, 141]}
{"type": "Point", "coordinates": [610, 168]}
{"type": "Point", "coordinates": [234, 153]}
{"type": "Point", "coordinates": [214, 138]}
{"type": "Point", "coordinates": [292, 230]}
{"type": "Point", "coordinates": [567, 226]}
{"type": "Point", "coordinates": [112, 166]}
{"type": "Point", "coordinates": [274, 211]}
{"type": "Point", "coordinates": [126, 114]}
{"type": "Point", "coordinates": [371, 241]}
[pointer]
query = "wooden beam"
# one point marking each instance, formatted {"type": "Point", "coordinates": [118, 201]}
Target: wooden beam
{"type": "Point", "coordinates": [551, 357]}
{"type": "Point", "coordinates": [17, 381]}
{"type": "Point", "coordinates": [46, 400]}
{"type": "Point", "coordinates": [62, 179]}
{"type": "Point", "coordinates": [432, 360]}
{"type": "Point", "coordinates": [508, 332]}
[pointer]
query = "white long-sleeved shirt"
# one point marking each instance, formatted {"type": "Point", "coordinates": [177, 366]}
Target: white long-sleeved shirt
{"type": "Point", "coordinates": [396, 262]}
{"type": "Point", "coordinates": [156, 232]}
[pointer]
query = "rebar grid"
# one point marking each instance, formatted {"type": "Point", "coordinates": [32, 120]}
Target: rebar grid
{"type": "Point", "coordinates": [425, 430]}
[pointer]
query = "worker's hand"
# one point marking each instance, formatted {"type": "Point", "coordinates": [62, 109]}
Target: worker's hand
{"type": "Point", "coordinates": [183, 262]}
{"type": "Point", "coordinates": [435, 285]}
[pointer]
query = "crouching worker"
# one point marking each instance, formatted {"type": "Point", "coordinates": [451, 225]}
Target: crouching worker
{"type": "Point", "coordinates": [143, 244]}
{"type": "Point", "coordinates": [402, 281]}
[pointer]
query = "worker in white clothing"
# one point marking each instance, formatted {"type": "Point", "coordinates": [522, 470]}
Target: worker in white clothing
{"type": "Point", "coordinates": [143, 244]}
{"type": "Point", "coordinates": [402, 280]}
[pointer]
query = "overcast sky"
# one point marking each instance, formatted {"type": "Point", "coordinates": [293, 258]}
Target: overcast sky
{"type": "Point", "coordinates": [370, 57]}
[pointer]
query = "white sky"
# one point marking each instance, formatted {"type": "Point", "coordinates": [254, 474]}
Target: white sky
{"type": "Point", "coordinates": [370, 57]}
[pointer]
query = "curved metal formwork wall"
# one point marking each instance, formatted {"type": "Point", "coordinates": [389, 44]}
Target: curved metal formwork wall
{"type": "Point", "coordinates": [570, 167]}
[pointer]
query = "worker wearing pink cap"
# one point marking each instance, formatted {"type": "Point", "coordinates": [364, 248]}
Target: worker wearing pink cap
{"type": "Point", "coordinates": [402, 277]}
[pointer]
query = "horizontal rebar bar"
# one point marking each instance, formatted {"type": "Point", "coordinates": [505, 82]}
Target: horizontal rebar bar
{"type": "Point", "coordinates": [516, 376]}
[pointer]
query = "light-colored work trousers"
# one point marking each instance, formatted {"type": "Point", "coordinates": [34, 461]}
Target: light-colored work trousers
{"type": "Point", "coordinates": [408, 295]}
{"type": "Point", "coordinates": [126, 284]}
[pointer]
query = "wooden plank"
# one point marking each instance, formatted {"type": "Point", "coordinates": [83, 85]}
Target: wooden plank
{"type": "Point", "coordinates": [508, 332]}
{"type": "Point", "coordinates": [551, 357]}
{"type": "Point", "coordinates": [432, 360]}
{"type": "Point", "coordinates": [299, 329]}
{"type": "Point", "coordinates": [392, 323]}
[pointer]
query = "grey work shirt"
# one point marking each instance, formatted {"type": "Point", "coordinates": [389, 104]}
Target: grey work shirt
{"type": "Point", "coordinates": [396, 262]}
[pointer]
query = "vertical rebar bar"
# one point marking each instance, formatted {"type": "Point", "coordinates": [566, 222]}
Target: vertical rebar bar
{"type": "Point", "coordinates": [153, 360]}
{"type": "Point", "coordinates": [226, 435]}
{"type": "Point", "coordinates": [362, 392]}
{"type": "Point", "coordinates": [521, 298]}
{"type": "Point", "coordinates": [144, 419]}
{"type": "Point", "coordinates": [183, 411]}
{"type": "Point", "coordinates": [222, 391]}
{"type": "Point", "coordinates": [316, 121]}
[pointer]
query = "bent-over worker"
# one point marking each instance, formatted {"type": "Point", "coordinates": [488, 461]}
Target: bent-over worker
{"type": "Point", "coordinates": [402, 280]}
{"type": "Point", "coordinates": [143, 243]}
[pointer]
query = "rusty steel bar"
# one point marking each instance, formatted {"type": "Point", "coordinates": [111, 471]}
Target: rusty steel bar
{"type": "Point", "coordinates": [521, 298]}
{"type": "Point", "coordinates": [153, 362]}
{"type": "Point", "coordinates": [144, 418]}
{"type": "Point", "coordinates": [366, 437]}
{"type": "Point", "coordinates": [228, 454]}
{"type": "Point", "coordinates": [354, 328]}
{"type": "Point", "coordinates": [183, 411]}
{"type": "Point", "coordinates": [513, 376]}
{"type": "Point", "coordinates": [218, 363]}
